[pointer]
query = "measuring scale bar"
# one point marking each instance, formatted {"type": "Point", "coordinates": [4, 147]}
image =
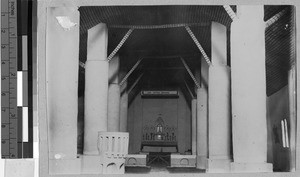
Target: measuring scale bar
{"type": "Point", "coordinates": [14, 81]}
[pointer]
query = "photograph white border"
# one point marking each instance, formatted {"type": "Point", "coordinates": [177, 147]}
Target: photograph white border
{"type": "Point", "coordinates": [41, 70]}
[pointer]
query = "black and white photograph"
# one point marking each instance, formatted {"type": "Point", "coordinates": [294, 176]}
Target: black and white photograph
{"type": "Point", "coordinates": [157, 88]}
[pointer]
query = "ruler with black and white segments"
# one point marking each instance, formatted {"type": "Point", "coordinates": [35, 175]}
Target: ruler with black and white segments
{"type": "Point", "coordinates": [14, 81]}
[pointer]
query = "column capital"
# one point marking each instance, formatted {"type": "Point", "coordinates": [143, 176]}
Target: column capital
{"type": "Point", "coordinates": [218, 44]}
{"type": "Point", "coordinates": [114, 67]}
{"type": "Point", "coordinates": [97, 42]}
{"type": "Point", "coordinates": [250, 11]}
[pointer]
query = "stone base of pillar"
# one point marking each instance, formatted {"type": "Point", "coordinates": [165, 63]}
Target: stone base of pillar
{"type": "Point", "coordinates": [236, 167]}
{"type": "Point", "coordinates": [64, 166]}
{"type": "Point", "coordinates": [218, 165]}
{"type": "Point", "coordinates": [201, 162]}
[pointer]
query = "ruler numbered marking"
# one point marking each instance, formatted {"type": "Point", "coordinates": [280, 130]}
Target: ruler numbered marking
{"type": "Point", "coordinates": [14, 70]}
{"type": "Point", "coordinates": [4, 20]}
{"type": "Point", "coordinates": [5, 116]}
{"type": "Point", "coordinates": [5, 69]}
{"type": "Point", "coordinates": [9, 43]}
{"type": "Point", "coordinates": [5, 34]}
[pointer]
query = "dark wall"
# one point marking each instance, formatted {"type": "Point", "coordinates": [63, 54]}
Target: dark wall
{"type": "Point", "coordinates": [174, 111]}
{"type": "Point", "coordinates": [278, 110]}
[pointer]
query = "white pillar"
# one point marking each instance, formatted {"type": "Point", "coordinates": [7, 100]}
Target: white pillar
{"type": "Point", "coordinates": [96, 87]}
{"type": "Point", "coordinates": [62, 82]}
{"type": "Point", "coordinates": [194, 126]}
{"type": "Point", "coordinates": [202, 128]}
{"type": "Point", "coordinates": [293, 121]}
{"type": "Point", "coordinates": [124, 109]}
{"type": "Point", "coordinates": [248, 76]}
{"type": "Point", "coordinates": [114, 96]}
{"type": "Point", "coordinates": [219, 109]}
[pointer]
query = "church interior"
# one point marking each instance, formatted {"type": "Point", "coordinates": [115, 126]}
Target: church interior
{"type": "Point", "coordinates": [176, 82]}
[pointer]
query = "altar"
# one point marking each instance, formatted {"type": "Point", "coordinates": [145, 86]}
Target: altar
{"type": "Point", "coordinates": [159, 144]}
{"type": "Point", "coordinates": [159, 134]}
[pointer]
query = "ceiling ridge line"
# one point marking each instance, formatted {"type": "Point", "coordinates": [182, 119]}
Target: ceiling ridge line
{"type": "Point", "coordinates": [175, 25]}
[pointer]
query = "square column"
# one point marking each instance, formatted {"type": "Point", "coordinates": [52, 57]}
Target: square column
{"type": "Point", "coordinates": [114, 95]}
{"type": "Point", "coordinates": [194, 126]}
{"type": "Point", "coordinates": [202, 150]}
{"type": "Point", "coordinates": [248, 77]}
{"type": "Point", "coordinates": [62, 54]}
{"type": "Point", "coordinates": [202, 115]}
{"type": "Point", "coordinates": [219, 109]}
{"type": "Point", "coordinates": [96, 87]}
{"type": "Point", "coordinates": [124, 108]}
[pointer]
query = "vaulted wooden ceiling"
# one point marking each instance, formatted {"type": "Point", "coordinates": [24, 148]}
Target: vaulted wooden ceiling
{"type": "Point", "coordinates": [280, 40]}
